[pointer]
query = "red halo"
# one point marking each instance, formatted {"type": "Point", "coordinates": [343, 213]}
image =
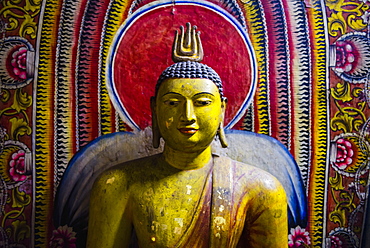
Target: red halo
{"type": "Point", "coordinates": [143, 51]}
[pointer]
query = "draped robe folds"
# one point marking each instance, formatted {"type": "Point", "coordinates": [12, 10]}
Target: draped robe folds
{"type": "Point", "coordinates": [240, 206]}
{"type": "Point", "coordinates": [214, 225]}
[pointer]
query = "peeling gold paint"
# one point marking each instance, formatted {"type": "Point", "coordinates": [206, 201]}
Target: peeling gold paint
{"type": "Point", "coordinates": [221, 208]}
{"type": "Point", "coordinates": [177, 230]}
{"type": "Point", "coordinates": [179, 221]}
{"type": "Point", "coordinates": [220, 222]}
{"type": "Point", "coordinates": [169, 122]}
{"type": "Point", "coordinates": [188, 192]}
{"type": "Point", "coordinates": [155, 225]}
{"type": "Point", "coordinates": [110, 180]}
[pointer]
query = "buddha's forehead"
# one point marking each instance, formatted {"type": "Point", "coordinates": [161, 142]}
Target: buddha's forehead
{"type": "Point", "coordinates": [188, 86]}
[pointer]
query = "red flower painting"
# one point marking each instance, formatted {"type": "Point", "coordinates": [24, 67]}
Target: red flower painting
{"type": "Point", "coordinates": [344, 154]}
{"type": "Point", "coordinates": [335, 242]}
{"type": "Point", "coordinates": [345, 56]}
{"type": "Point", "coordinates": [17, 169]}
{"type": "Point", "coordinates": [19, 63]}
{"type": "Point", "coordinates": [63, 237]}
{"type": "Point", "coordinates": [298, 238]}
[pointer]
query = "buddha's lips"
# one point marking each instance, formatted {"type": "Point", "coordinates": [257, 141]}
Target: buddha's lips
{"type": "Point", "coordinates": [188, 130]}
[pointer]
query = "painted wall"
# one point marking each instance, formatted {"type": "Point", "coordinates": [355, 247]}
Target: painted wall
{"type": "Point", "coordinates": [311, 62]}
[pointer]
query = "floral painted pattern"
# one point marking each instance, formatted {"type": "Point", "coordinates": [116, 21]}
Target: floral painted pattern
{"type": "Point", "coordinates": [298, 238]}
{"type": "Point", "coordinates": [17, 169]}
{"type": "Point", "coordinates": [63, 237]}
{"type": "Point", "coordinates": [350, 57]}
{"type": "Point", "coordinates": [345, 56]}
{"type": "Point", "coordinates": [19, 63]}
{"type": "Point", "coordinates": [342, 238]}
{"type": "Point", "coordinates": [344, 154]}
{"type": "Point", "coordinates": [335, 242]}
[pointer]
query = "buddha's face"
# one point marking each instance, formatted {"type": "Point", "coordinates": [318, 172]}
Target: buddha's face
{"type": "Point", "coordinates": [189, 113]}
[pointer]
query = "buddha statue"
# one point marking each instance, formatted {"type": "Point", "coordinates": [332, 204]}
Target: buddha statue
{"type": "Point", "coordinates": [186, 196]}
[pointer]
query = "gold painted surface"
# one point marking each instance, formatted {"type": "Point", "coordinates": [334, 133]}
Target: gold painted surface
{"type": "Point", "coordinates": [165, 196]}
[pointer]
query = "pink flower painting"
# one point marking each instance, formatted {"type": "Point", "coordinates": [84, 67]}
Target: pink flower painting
{"type": "Point", "coordinates": [350, 53]}
{"type": "Point", "coordinates": [17, 169]}
{"type": "Point", "coordinates": [298, 238]}
{"type": "Point", "coordinates": [344, 154]}
{"type": "Point", "coordinates": [346, 56]}
{"type": "Point", "coordinates": [335, 242]}
{"type": "Point", "coordinates": [19, 63]}
{"type": "Point", "coordinates": [63, 237]}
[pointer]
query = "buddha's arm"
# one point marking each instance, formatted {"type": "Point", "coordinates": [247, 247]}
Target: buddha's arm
{"type": "Point", "coordinates": [109, 216]}
{"type": "Point", "coordinates": [268, 224]}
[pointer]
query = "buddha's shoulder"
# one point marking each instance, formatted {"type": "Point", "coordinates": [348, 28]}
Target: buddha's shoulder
{"type": "Point", "coordinates": [252, 177]}
{"type": "Point", "coordinates": [125, 172]}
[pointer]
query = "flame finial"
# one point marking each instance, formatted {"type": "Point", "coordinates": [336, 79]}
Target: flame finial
{"type": "Point", "coordinates": [187, 45]}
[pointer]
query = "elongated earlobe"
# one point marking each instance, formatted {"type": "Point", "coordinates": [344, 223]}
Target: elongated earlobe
{"type": "Point", "coordinates": [222, 136]}
{"type": "Point", "coordinates": [156, 138]}
{"type": "Point", "coordinates": [220, 131]}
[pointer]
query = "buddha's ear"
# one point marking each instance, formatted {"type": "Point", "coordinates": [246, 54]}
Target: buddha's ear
{"type": "Point", "coordinates": [221, 132]}
{"type": "Point", "coordinates": [156, 135]}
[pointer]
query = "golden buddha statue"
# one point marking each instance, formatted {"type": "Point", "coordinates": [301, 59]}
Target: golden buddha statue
{"type": "Point", "coordinates": [186, 196]}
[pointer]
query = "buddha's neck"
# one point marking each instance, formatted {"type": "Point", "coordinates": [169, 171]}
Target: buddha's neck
{"type": "Point", "coordinates": [187, 161]}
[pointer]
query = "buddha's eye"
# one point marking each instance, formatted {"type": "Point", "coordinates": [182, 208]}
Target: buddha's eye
{"type": "Point", "coordinates": [202, 102]}
{"type": "Point", "coordinates": [172, 102]}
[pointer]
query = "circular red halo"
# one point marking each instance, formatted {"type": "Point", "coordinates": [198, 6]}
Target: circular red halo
{"type": "Point", "coordinates": [142, 50]}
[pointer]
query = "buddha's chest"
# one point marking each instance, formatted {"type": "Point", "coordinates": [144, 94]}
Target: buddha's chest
{"type": "Point", "coordinates": [167, 210]}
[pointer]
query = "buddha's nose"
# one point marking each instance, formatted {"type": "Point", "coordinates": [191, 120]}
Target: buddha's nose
{"type": "Point", "coordinates": [189, 114]}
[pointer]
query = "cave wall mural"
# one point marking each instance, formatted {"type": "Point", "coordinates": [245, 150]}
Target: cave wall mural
{"type": "Point", "coordinates": [310, 92]}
